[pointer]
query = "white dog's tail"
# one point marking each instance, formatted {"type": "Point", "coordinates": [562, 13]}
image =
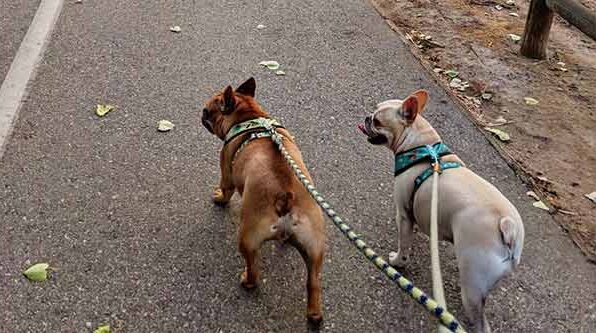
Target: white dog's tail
{"type": "Point", "coordinates": [512, 232]}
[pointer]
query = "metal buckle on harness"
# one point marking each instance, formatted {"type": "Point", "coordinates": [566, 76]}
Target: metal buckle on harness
{"type": "Point", "coordinates": [434, 159]}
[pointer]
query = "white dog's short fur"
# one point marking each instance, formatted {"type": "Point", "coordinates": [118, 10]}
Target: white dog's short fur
{"type": "Point", "coordinates": [485, 228]}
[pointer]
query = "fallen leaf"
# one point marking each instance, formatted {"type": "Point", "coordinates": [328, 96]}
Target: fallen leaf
{"type": "Point", "coordinates": [533, 195]}
{"type": "Point", "coordinates": [498, 7]}
{"type": "Point", "coordinates": [455, 83]}
{"type": "Point", "coordinates": [280, 72]}
{"type": "Point", "coordinates": [514, 37]}
{"type": "Point", "coordinates": [165, 125]}
{"type": "Point", "coordinates": [101, 110]}
{"type": "Point", "coordinates": [530, 101]}
{"type": "Point", "coordinates": [102, 329]}
{"type": "Point", "coordinates": [561, 66]}
{"type": "Point", "coordinates": [500, 120]}
{"type": "Point", "coordinates": [37, 272]}
{"type": "Point", "coordinates": [510, 2]}
{"type": "Point", "coordinates": [451, 73]}
{"type": "Point", "coordinates": [272, 65]}
{"type": "Point", "coordinates": [437, 70]}
{"type": "Point", "coordinates": [541, 205]}
{"type": "Point", "coordinates": [514, 14]}
{"type": "Point", "coordinates": [78, 1]}
{"type": "Point", "coordinates": [591, 196]}
{"type": "Point", "coordinates": [487, 96]}
{"type": "Point", "coordinates": [502, 135]}
{"type": "Point", "coordinates": [261, 26]}
{"type": "Point", "coordinates": [175, 29]}
{"type": "Point", "coordinates": [544, 179]}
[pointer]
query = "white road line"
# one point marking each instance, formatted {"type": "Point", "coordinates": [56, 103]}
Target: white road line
{"type": "Point", "coordinates": [23, 66]}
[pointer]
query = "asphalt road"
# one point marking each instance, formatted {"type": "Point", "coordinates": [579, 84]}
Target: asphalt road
{"type": "Point", "coordinates": [123, 212]}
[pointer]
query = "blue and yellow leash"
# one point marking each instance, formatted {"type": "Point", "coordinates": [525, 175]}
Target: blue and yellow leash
{"type": "Point", "coordinates": [446, 318]}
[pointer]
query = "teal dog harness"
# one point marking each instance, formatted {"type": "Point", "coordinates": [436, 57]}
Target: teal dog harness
{"type": "Point", "coordinates": [257, 125]}
{"type": "Point", "coordinates": [428, 153]}
{"type": "Point", "coordinates": [258, 128]}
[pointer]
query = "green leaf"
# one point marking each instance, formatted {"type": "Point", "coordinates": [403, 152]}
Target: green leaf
{"type": "Point", "coordinates": [102, 329]}
{"type": "Point", "coordinates": [502, 135]}
{"type": "Point", "coordinates": [530, 101]}
{"type": "Point", "coordinates": [451, 73]}
{"type": "Point", "coordinates": [514, 37]}
{"type": "Point", "coordinates": [101, 110]}
{"type": "Point", "coordinates": [165, 125]}
{"type": "Point", "coordinates": [271, 64]}
{"type": "Point", "coordinates": [591, 196]}
{"type": "Point", "coordinates": [37, 272]}
{"type": "Point", "coordinates": [541, 205]}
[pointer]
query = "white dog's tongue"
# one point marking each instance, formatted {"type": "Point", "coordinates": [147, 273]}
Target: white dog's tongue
{"type": "Point", "coordinates": [362, 128]}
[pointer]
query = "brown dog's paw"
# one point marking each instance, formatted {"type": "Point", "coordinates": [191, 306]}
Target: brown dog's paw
{"type": "Point", "coordinates": [314, 320]}
{"type": "Point", "coordinates": [245, 283]}
{"type": "Point", "coordinates": [218, 197]}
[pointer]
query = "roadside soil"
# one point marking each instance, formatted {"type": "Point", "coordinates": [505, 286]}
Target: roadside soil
{"type": "Point", "coordinates": [552, 144]}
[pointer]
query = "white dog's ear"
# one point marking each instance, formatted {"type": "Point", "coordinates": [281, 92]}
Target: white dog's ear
{"type": "Point", "coordinates": [413, 105]}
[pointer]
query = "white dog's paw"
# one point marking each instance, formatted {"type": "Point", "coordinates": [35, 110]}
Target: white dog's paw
{"type": "Point", "coordinates": [396, 260]}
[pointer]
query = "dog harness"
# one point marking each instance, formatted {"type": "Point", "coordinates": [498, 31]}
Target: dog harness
{"type": "Point", "coordinates": [428, 153]}
{"type": "Point", "coordinates": [256, 127]}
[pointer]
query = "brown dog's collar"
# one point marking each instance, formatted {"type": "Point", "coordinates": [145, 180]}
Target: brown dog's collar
{"type": "Point", "coordinates": [253, 125]}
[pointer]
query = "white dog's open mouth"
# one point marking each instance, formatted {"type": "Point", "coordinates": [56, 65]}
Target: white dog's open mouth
{"type": "Point", "coordinates": [362, 129]}
{"type": "Point", "coordinates": [373, 137]}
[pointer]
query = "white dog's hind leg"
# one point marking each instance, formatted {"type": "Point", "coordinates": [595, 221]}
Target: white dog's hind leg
{"type": "Point", "coordinates": [479, 271]}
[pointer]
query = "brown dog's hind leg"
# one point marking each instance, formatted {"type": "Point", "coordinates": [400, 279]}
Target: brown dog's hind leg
{"type": "Point", "coordinates": [249, 244]}
{"type": "Point", "coordinates": [311, 246]}
{"type": "Point", "coordinates": [250, 275]}
{"type": "Point", "coordinates": [221, 196]}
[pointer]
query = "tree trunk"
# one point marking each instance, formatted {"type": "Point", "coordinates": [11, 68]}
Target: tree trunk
{"type": "Point", "coordinates": [538, 23]}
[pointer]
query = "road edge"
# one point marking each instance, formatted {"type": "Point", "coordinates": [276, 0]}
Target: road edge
{"type": "Point", "coordinates": [23, 67]}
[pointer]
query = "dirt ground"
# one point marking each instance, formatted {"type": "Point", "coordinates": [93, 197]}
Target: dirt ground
{"type": "Point", "coordinates": [552, 144]}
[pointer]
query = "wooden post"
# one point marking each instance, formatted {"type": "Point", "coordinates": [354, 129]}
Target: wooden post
{"type": "Point", "coordinates": [538, 23]}
{"type": "Point", "coordinates": [576, 14]}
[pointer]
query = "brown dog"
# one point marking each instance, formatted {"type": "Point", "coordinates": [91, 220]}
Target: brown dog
{"type": "Point", "coordinates": [275, 206]}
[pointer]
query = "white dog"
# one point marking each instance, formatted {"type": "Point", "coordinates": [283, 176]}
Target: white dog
{"type": "Point", "coordinates": [485, 228]}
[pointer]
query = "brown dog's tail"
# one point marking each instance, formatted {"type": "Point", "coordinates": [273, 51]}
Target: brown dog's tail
{"type": "Point", "coordinates": [512, 233]}
{"type": "Point", "coordinates": [283, 203]}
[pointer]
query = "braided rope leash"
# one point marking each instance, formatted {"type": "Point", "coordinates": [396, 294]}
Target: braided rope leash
{"type": "Point", "coordinates": [446, 318]}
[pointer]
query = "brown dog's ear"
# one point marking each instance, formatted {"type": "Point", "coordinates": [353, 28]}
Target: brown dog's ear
{"type": "Point", "coordinates": [248, 88]}
{"type": "Point", "coordinates": [413, 105]}
{"type": "Point", "coordinates": [229, 101]}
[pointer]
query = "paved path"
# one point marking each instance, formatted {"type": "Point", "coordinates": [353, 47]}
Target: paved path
{"type": "Point", "coordinates": [123, 212]}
